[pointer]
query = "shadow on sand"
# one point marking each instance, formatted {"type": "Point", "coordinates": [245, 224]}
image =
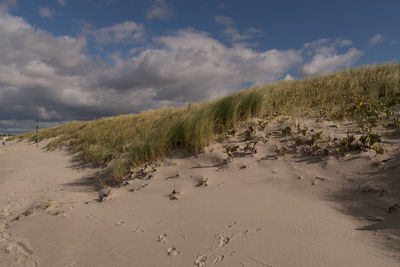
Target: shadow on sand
{"type": "Point", "coordinates": [373, 199]}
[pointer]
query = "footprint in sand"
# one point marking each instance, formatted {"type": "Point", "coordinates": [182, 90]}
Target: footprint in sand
{"type": "Point", "coordinates": [138, 187]}
{"type": "Point", "coordinates": [232, 253]}
{"type": "Point", "coordinates": [172, 251]}
{"type": "Point", "coordinates": [218, 259]}
{"type": "Point", "coordinates": [223, 240]}
{"type": "Point", "coordinates": [174, 195]}
{"type": "Point", "coordinates": [22, 252]}
{"type": "Point", "coordinates": [162, 238]}
{"type": "Point", "coordinates": [176, 175]}
{"type": "Point", "coordinates": [18, 247]}
{"type": "Point", "coordinates": [57, 209]}
{"type": "Point", "coordinates": [232, 224]}
{"type": "Point", "coordinates": [202, 182]}
{"type": "Point", "coordinates": [200, 261]}
{"type": "Point", "coordinates": [239, 234]}
{"type": "Point", "coordinates": [42, 206]}
{"type": "Point", "coordinates": [5, 213]}
{"type": "Point", "coordinates": [121, 223]}
{"type": "Point", "coordinates": [319, 179]}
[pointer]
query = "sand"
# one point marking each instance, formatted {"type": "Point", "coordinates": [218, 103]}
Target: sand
{"type": "Point", "coordinates": [259, 209]}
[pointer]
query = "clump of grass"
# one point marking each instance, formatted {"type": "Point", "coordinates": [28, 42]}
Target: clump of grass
{"type": "Point", "coordinates": [130, 140]}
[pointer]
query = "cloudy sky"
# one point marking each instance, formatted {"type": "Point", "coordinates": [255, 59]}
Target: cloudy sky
{"type": "Point", "coordinates": [66, 60]}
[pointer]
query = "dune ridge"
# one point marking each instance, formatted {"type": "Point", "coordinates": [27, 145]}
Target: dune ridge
{"type": "Point", "coordinates": [298, 173]}
{"type": "Point", "coordinates": [232, 204]}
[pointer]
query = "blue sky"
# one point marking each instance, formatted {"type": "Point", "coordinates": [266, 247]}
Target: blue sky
{"type": "Point", "coordinates": [65, 60]}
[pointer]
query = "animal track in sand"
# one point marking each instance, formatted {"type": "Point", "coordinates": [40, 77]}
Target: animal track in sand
{"type": "Point", "coordinates": [18, 247]}
{"type": "Point", "coordinates": [138, 187]}
{"type": "Point", "coordinates": [218, 259]}
{"type": "Point", "coordinates": [42, 206]}
{"type": "Point", "coordinates": [223, 240]}
{"type": "Point", "coordinates": [162, 238]}
{"type": "Point", "coordinates": [5, 213]}
{"type": "Point", "coordinates": [200, 261]}
{"type": "Point", "coordinates": [232, 224]}
{"type": "Point", "coordinates": [121, 223]}
{"type": "Point", "coordinates": [22, 252]}
{"type": "Point", "coordinates": [174, 195]}
{"type": "Point", "coordinates": [176, 175]}
{"type": "Point", "coordinates": [239, 234]}
{"type": "Point", "coordinates": [202, 182]}
{"type": "Point", "coordinates": [57, 209]}
{"type": "Point", "coordinates": [172, 251]}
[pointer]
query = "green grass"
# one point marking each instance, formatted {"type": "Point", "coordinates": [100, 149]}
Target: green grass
{"type": "Point", "coordinates": [129, 140]}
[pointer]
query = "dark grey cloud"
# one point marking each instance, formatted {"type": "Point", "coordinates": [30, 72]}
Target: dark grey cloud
{"type": "Point", "coordinates": [51, 78]}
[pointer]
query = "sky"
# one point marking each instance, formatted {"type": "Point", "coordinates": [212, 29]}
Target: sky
{"type": "Point", "coordinates": [68, 60]}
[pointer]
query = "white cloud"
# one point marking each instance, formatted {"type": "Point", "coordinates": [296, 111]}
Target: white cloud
{"type": "Point", "coordinates": [61, 2]}
{"type": "Point", "coordinates": [324, 57]}
{"type": "Point", "coordinates": [51, 78]}
{"type": "Point", "coordinates": [160, 9]}
{"type": "Point", "coordinates": [288, 77]}
{"type": "Point", "coordinates": [125, 32]}
{"type": "Point", "coordinates": [10, 24]}
{"type": "Point", "coordinates": [231, 32]}
{"type": "Point", "coordinates": [46, 12]}
{"type": "Point", "coordinates": [376, 39]}
{"type": "Point", "coordinates": [343, 42]}
{"type": "Point", "coordinates": [7, 4]}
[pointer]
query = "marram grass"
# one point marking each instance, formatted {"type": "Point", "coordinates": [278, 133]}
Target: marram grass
{"type": "Point", "coordinates": [129, 140]}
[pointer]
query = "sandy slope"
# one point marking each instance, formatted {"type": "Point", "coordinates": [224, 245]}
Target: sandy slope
{"type": "Point", "coordinates": [292, 210]}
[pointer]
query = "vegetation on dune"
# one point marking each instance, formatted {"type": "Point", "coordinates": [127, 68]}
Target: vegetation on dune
{"type": "Point", "coordinates": [127, 140]}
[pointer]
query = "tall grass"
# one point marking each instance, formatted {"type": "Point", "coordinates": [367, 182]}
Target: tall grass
{"type": "Point", "coordinates": [129, 140]}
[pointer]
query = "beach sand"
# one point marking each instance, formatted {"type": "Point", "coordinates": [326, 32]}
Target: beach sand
{"type": "Point", "coordinates": [257, 209]}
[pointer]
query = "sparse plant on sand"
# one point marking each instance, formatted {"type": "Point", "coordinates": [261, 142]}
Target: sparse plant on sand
{"type": "Point", "coordinates": [396, 121]}
{"type": "Point", "coordinates": [370, 139]}
{"type": "Point", "coordinates": [281, 151]}
{"type": "Point", "coordinates": [250, 133]}
{"type": "Point", "coordinates": [262, 124]}
{"type": "Point", "coordinates": [313, 138]}
{"type": "Point", "coordinates": [250, 147]}
{"type": "Point", "coordinates": [287, 130]}
{"type": "Point", "coordinates": [230, 149]}
{"type": "Point", "coordinates": [350, 143]}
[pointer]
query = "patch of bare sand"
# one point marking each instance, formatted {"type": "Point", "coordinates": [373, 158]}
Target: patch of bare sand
{"type": "Point", "coordinates": [256, 209]}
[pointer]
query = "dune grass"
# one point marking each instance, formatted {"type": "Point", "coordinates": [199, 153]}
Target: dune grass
{"type": "Point", "coordinates": [129, 140]}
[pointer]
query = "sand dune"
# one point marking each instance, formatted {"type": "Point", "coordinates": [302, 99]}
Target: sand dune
{"type": "Point", "coordinates": [260, 207]}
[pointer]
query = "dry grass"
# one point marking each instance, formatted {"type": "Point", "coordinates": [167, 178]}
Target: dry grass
{"type": "Point", "coordinates": [126, 140]}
